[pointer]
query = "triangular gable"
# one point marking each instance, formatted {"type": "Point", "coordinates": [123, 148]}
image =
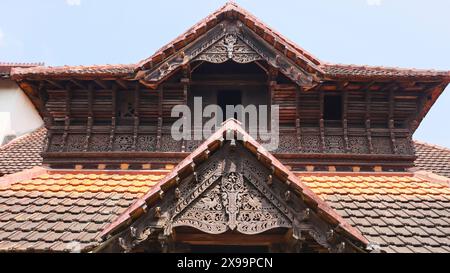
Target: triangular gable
{"type": "Point", "coordinates": [233, 186]}
{"type": "Point", "coordinates": [231, 21]}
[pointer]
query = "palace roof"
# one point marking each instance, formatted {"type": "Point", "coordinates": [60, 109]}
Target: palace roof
{"type": "Point", "coordinates": [49, 210]}
{"type": "Point", "coordinates": [231, 10]}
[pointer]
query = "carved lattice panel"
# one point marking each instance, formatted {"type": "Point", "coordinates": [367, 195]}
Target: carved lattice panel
{"type": "Point", "coordinates": [311, 144]}
{"type": "Point", "coordinates": [99, 143]}
{"type": "Point", "coordinates": [168, 144]}
{"type": "Point", "coordinates": [146, 143]}
{"type": "Point", "coordinates": [288, 144]}
{"type": "Point", "coordinates": [358, 145]}
{"type": "Point", "coordinates": [123, 143]}
{"type": "Point", "coordinates": [191, 145]}
{"type": "Point", "coordinates": [76, 143]}
{"type": "Point", "coordinates": [404, 146]}
{"type": "Point", "coordinates": [56, 143]}
{"type": "Point", "coordinates": [334, 144]}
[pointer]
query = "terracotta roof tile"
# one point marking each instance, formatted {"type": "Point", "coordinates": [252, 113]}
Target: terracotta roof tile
{"type": "Point", "coordinates": [433, 158]}
{"type": "Point", "coordinates": [379, 72]}
{"type": "Point", "coordinates": [22, 153]}
{"type": "Point", "coordinates": [120, 70]}
{"type": "Point", "coordinates": [411, 218]}
{"type": "Point", "coordinates": [45, 215]}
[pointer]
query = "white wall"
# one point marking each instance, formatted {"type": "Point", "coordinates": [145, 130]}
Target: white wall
{"type": "Point", "coordinates": [18, 116]}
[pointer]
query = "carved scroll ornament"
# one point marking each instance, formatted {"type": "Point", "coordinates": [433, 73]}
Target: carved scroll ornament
{"type": "Point", "coordinates": [229, 48]}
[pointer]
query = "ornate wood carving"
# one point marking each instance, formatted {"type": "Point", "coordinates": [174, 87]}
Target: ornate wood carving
{"type": "Point", "coordinates": [230, 41]}
{"type": "Point", "coordinates": [231, 191]}
{"type": "Point", "coordinates": [230, 47]}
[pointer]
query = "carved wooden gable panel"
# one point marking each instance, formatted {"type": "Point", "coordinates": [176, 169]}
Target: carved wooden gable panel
{"type": "Point", "coordinates": [228, 41]}
{"type": "Point", "coordinates": [231, 191]}
{"type": "Point", "coordinates": [230, 47]}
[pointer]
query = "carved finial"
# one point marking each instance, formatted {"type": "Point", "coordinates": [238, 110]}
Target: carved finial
{"type": "Point", "coordinates": [133, 232]}
{"type": "Point", "coordinates": [330, 235]}
{"type": "Point", "coordinates": [158, 212]}
{"type": "Point", "coordinates": [233, 144]}
{"type": "Point", "coordinates": [123, 244]}
{"type": "Point", "coordinates": [306, 214]}
{"type": "Point", "coordinates": [341, 247]}
{"type": "Point", "coordinates": [288, 196]}
{"type": "Point", "coordinates": [270, 180]}
{"type": "Point", "coordinates": [195, 177]}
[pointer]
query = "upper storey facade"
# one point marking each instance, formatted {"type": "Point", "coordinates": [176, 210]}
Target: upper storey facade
{"type": "Point", "coordinates": [330, 116]}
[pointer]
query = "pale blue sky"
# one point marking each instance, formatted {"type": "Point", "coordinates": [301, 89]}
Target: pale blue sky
{"type": "Point", "coordinates": [405, 33]}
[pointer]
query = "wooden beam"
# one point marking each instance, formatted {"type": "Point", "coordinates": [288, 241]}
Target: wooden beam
{"type": "Point", "coordinates": [230, 239]}
{"type": "Point", "coordinates": [102, 84]}
{"type": "Point", "coordinates": [77, 83]}
{"type": "Point", "coordinates": [56, 84]}
{"type": "Point", "coordinates": [122, 84]}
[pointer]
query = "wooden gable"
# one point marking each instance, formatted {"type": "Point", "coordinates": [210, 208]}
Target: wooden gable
{"type": "Point", "coordinates": [230, 187]}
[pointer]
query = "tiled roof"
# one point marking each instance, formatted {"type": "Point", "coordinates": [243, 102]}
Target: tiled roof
{"type": "Point", "coordinates": [64, 211]}
{"type": "Point", "coordinates": [51, 212]}
{"type": "Point", "coordinates": [73, 71]}
{"type": "Point", "coordinates": [287, 47]}
{"type": "Point", "coordinates": [400, 212]}
{"type": "Point", "coordinates": [433, 158]}
{"type": "Point", "coordinates": [22, 153]}
{"type": "Point", "coordinates": [233, 127]}
{"type": "Point", "coordinates": [380, 72]}
{"type": "Point", "coordinates": [5, 68]}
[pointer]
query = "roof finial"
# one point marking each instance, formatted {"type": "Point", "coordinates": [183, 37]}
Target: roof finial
{"type": "Point", "coordinates": [231, 3]}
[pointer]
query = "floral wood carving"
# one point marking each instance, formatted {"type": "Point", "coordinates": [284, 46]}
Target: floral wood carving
{"type": "Point", "coordinates": [229, 192]}
{"type": "Point", "coordinates": [229, 48]}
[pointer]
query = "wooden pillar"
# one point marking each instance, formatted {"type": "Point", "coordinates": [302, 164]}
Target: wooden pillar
{"type": "Point", "coordinates": [136, 119]}
{"type": "Point", "coordinates": [90, 120]}
{"type": "Point", "coordinates": [345, 120]}
{"type": "Point", "coordinates": [48, 119]}
{"type": "Point", "coordinates": [160, 119]}
{"type": "Point", "coordinates": [368, 117]}
{"type": "Point", "coordinates": [66, 118]}
{"type": "Point", "coordinates": [322, 121]}
{"type": "Point", "coordinates": [297, 120]}
{"type": "Point", "coordinates": [112, 133]}
{"type": "Point", "coordinates": [185, 81]}
{"type": "Point", "coordinates": [391, 121]}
